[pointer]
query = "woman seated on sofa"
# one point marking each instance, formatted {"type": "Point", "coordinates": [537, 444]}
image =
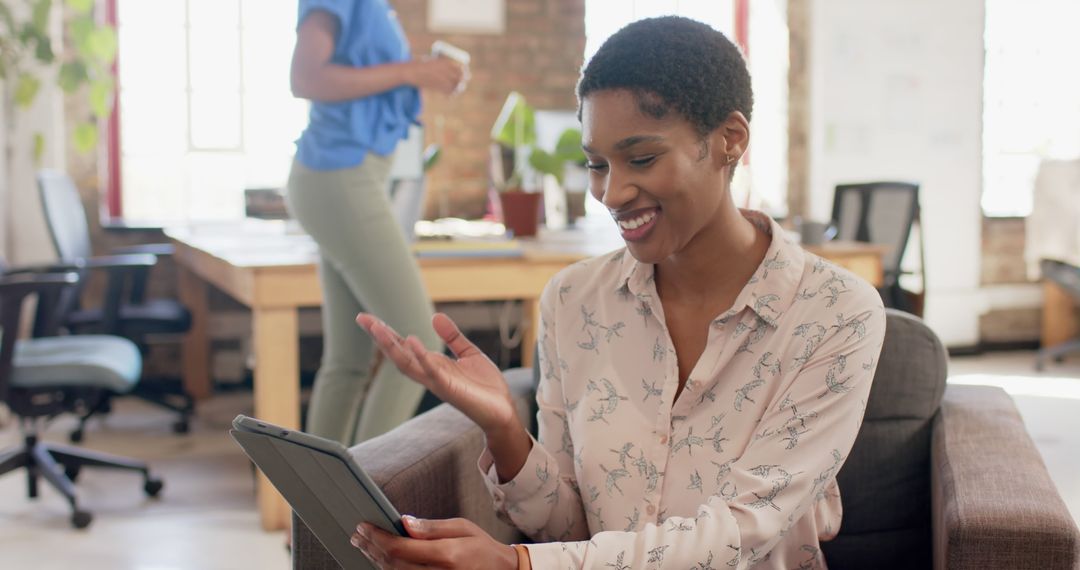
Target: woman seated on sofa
{"type": "Point", "coordinates": [700, 388]}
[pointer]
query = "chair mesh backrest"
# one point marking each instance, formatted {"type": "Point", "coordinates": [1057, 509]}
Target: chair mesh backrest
{"type": "Point", "coordinates": [877, 212]}
{"type": "Point", "coordinates": [65, 215]}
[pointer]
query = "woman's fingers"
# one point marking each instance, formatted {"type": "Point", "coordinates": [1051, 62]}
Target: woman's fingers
{"type": "Point", "coordinates": [398, 551]}
{"type": "Point", "coordinates": [429, 529]}
{"type": "Point", "coordinates": [431, 366]}
{"type": "Point", "coordinates": [392, 345]}
{"type": "Point", "coordinates": [449, 332]}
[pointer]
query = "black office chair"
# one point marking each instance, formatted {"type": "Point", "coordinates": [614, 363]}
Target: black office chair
{"type": "Point", "coordinates": [882, 213]}
{"type": "Point", "coordinates": [126, 311]}
{"type": "Point", "coordinates": [45, 376]}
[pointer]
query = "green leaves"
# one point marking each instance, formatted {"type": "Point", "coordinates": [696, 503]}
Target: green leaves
{"type": "Point", "coordinates": [546, 162]}
{"type": "Point", "coordinates": [26, 43]}
{"type": "Point", "coordinates": [101, 45]}
{"type": "Point", "coordinates": [26, 89]}
{"type": "Point", "coordinates": [80, 6]}
{"type": "Point", "coordinates": [72, 74]}
{"type": "Point", "coordinates": [39, 17]}
{"type": "Point", "coordinates": [569, 146]}
{"type": "Point", "coordinates": [516, 125]}
{"type": "Point", "coordinates": [101, 93]}
{"type": "Point", "coordinates": [39, 147]}
{"type": "Point", "coordinates": [568, 149]}
{"type": "Point", "coordinates": [86, 136]}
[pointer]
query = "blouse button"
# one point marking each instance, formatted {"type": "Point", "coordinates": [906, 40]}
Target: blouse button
{"type": "Point", "coordinates": [651, 510]}
{"type": "Point", "coordinates": [663, 440]}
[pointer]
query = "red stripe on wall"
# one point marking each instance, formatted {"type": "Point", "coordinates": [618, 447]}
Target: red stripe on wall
{"type": "Point", "coordinates": [113, 201]}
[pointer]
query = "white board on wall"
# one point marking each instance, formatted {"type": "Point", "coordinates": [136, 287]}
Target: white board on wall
{"type": "Point", "coordinates": [467, 16]}
{"type": "Point", "coordinates": [896, 94]}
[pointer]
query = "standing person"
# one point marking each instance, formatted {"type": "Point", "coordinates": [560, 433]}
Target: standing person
{"type": "Point", "coordinates": [700, 388]}
{"type": "Point", "coordinates": [353, 62]}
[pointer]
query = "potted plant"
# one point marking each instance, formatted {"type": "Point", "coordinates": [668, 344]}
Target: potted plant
{"type": "Point", "coordinates": [512, 135]}
{"type": "Point", "coordinates": [567, 165]}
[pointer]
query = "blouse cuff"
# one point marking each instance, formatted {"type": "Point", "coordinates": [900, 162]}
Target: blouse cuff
{"type": "Point", "coordinates": [528, 482]}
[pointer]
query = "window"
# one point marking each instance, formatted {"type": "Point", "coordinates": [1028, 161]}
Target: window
{"type": "Point", "coordinates": [205, 105]}
{"type": "Point", "coordinates": [762, 183]}
{"type": "Point", "coordinates": [1031, 103]}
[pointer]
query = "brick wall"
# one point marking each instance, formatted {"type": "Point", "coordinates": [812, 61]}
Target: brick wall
{"type": "Point", "coordinates": [1003, 264]}
{"type": "Point", "coordinates": [539, 55]}
{"type": "Point", "coordinates": [1003, 251]}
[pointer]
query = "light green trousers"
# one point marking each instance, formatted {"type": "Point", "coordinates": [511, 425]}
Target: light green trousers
{"type": "Point", "coordinates": [365, 265]}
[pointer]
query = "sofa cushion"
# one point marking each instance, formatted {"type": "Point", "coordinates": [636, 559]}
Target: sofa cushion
{"type": "Point", "coordinates": [885, 482]}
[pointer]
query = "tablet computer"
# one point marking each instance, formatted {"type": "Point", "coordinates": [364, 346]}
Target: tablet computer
{"type": "Point", "coordinates": [322, 483]}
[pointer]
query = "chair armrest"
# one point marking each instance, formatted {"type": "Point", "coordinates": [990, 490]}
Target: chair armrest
{"type": "Point", "coordinates": [427, 468]}
{"type": "Point", "coordinates": [124, 261]}
{"type": "Point", "coordinates": [56, 267]}
{"type": "Point", "coordinates": [19, 285]}
{"type": "Point", "coordinates": [994, 504]}
{"type": "Point", "coordinates": [158, 249]}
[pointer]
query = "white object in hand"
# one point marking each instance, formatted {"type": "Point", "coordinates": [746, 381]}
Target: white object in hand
{"type": "Point", "coordinates": [443, 49]}
{"type": "Point", "coordinates": [451, 51]}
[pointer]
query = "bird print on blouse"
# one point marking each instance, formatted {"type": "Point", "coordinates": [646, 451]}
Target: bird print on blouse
{"type": "Point", "coordinates": [739, 470]}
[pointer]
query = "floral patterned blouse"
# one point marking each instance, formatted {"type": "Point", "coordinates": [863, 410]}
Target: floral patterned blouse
{"type": "Point", "coordinates": [740, 470]}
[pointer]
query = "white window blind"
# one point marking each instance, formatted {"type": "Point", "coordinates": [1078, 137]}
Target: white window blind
{"type": "Point", "coordinates": [1031, 107]}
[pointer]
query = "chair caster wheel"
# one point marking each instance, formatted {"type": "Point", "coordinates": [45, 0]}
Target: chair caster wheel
{"type": "Point", "coordinates": [81, 519]}
{"type": "Point", "coordinates": [76, 436]}
{"type": "Point", "coordinates": [181, 426]}
{"type": "Point", "coordinates": [72, 472]}
{"type": "Point", "coordinates": [153, 487]}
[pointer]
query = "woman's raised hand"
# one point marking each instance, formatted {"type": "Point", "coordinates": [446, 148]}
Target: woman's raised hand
{"type": "Point", "coordinates": [471, 382]}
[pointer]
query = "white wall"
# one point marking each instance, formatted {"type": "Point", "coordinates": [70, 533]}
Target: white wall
{"type": "Point", "coordinates": [896, 94]}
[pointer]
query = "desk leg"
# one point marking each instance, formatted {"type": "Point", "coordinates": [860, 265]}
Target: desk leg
{"type": "Point", "coordinates": [1059, 320]}
{"type": "Point", "coordinates": [530, 310]}
{"type": "Point", "coordinates": [196, 347]}
{"type": "Point", "coordinates": [277, 393]}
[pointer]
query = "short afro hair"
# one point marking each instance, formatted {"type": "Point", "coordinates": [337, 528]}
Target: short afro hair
{"type": "Point", "coordinates": [673, 62]}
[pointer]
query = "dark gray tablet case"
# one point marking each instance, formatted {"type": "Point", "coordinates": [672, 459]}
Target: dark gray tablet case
{"type": "Point", "coordinates": [322, 483]}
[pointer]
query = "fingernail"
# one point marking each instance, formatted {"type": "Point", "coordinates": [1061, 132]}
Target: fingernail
{"type": "Point", "coordinates": [413, 522]}
{"type": "Point", "coordinates": [361, 530]}
{"type": "Point", "coordinates": [355, 542]}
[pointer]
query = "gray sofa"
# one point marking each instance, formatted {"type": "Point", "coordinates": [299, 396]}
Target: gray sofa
{"type": "Point", "coordinates": [942, 478]}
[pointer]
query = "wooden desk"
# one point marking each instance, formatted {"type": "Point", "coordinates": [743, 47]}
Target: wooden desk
{"type": "Point", "coordinates": [273, 272]}
{"type": "Point", "coordinates": [1060, 321]}
{"type": "Point", "coordinates": [862, 259]}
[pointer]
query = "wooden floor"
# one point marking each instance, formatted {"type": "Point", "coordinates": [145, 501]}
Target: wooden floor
{"type": "Point", "coordinates": [206, 518]}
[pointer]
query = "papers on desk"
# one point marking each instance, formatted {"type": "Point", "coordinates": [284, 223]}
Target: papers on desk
{"type": "Point", "coordinates": [464, 247]}
{"type": "Point", "coordinates": [454, 237]}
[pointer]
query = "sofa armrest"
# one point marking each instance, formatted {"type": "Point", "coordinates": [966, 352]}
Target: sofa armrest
{"type": "Point", "coordinates": [994, 504]}
{"type": "Point", "coordinates": [427, 468]}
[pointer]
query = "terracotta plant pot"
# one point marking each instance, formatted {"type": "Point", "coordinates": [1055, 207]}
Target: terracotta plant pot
{"type": "Point", "coordinates": [521, 212]}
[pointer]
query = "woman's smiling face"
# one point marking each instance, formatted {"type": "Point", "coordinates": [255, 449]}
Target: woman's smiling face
{"type": "Point", "coordinates": [658, 178]}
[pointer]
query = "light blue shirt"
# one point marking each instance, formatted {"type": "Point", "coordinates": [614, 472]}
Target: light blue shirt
{"type": "Point", "coordinates": [339, 135]}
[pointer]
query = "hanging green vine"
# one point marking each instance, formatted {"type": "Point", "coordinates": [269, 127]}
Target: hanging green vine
{"type": "Point", "coordinates": [27, 60]}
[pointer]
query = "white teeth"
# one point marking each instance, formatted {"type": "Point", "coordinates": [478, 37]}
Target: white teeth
{"type": "Point", "coordinates": [636, 223]}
